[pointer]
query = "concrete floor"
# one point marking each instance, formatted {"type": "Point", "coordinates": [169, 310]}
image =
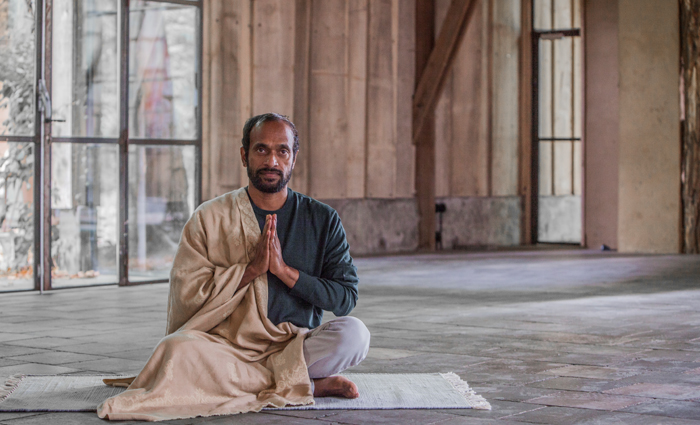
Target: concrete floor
{"type": "Point", "coordinates": [553, 337]}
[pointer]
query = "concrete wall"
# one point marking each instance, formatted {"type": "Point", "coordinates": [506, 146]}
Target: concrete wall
{"type": "Point", "coordinates": [601, 126]}
{"type": "Point", "coordinates": [559, 219]}
{"type": "Point", "coordinates": [375, 226]}
{"type": "Point", "coordinates": [649, 114]}
{"type": "Point", "coordinates": [480, 222]}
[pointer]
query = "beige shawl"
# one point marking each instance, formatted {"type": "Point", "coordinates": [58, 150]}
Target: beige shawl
{"type": "Point", "coordinates": [222, 355]}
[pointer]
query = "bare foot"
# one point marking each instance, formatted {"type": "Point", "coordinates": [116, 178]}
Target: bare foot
{"type": "Point", "coordinates": [335, 386]}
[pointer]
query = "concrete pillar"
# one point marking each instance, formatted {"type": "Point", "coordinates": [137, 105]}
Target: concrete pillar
{"type": "Point", "coordinates": [632, 128]}
{"type": "Point", "coordinates": [649, 114]}
{"type": "Point", "coordinates": [601, 123]}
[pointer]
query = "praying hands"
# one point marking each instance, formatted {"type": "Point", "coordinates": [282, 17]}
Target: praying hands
{"type": "Point", "coordinates": [268, 257]}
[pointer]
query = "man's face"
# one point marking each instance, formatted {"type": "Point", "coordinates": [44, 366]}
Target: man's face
{"type": "Point", "coordinates": [271, 157]}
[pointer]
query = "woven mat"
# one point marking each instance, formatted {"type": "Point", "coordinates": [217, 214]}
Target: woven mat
{"type": "Point", "coordinates": [80, 393]}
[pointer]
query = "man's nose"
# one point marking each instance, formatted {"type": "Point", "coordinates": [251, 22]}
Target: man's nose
{"type": "Point", "coordinates": [272, 160]}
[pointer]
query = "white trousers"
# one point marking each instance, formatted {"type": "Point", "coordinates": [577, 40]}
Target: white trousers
{"type": "Point", "coordinates": [335, 346]}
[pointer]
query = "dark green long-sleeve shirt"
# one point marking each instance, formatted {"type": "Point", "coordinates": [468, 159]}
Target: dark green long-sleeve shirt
{"type": "Point", "coordinates": [313, 241]}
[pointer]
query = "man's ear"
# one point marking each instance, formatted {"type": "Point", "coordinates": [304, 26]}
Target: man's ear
{"type": "Point", "coordinates": [243, 158]}
{"type": "Point", "coordinates": [296, 155]}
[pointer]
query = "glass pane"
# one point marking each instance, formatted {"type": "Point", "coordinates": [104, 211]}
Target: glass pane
{"type": "Point", "coordinates": [542, 15]}
{"type": "Point", "coordinates": [559, 88]}
{"type": "Point", "coordinates": [16, 216]}
{"type": "Point", "coordinates": [556, 14]}
{"type": "Point", "coordinates": [85, 69]}
{"type": "Point", "coordinates": [161, 200]}
{"type": "Point", "coordinates": [545, 88]}
{"type": "Point", "coordinates": [163, 64]}
{"type": "Point", "coordinates": [84, 214]}
{"type": "Point", "coordinates": [17, 64]}
{"type": "Point", "coordinates": [563, 87]}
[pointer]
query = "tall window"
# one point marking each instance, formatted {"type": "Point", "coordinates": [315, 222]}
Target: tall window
{"type": "Point", "coordinates": [118, 168]}
{"type": "Point", "coordinates": [558, 108]}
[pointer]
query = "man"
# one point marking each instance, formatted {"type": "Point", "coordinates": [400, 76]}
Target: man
{"type": "Point", "coordinates": [309, 234]}
{"type": "Point", "coordinates": [254, 270]}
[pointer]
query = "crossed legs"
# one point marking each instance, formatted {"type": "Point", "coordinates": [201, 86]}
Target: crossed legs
{"type": "Point", "coordinates": [330, 349]}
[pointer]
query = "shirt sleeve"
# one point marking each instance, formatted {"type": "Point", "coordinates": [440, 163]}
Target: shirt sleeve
{"type": "Point", "coordinates": [336, 289]}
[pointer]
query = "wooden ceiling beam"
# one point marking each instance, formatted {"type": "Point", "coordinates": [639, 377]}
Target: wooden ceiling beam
{"type": "Point", "coordinates": [439, 62]}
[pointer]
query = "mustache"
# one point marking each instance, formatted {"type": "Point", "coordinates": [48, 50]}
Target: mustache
{"type": "Point", "coordinates": [269, 170]}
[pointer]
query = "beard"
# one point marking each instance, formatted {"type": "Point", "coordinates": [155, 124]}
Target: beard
{"type": "Point", "coordinates": [260, 183]}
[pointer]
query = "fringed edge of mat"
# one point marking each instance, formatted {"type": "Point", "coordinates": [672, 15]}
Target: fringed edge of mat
{"type": "Point", "coordinates": [10, 386]}
{"type": "Point", "coordinates": [475, 400]}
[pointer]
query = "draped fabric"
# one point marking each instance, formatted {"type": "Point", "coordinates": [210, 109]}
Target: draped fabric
{"type": "Point", "coordinates": [221, 355]}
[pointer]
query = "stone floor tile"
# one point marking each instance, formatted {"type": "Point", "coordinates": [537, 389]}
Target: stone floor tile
{"type": "Point", "coordinates": [6, 361]}
{"type": "Point", "coordinates": [402, 416]}
{"type": "Point", "coordinates": [15, 350]}
{"type": "Point", "coordinates": [262, 418]}
{"type": "Point", "coordinates": [660, 365]}
{"type": "Point", "coordinates": [463, 420]}
{"type": "Point", "coordinates": [584, 400]}
{"type": "Point", "coordinates": [618, 418]}
{"type": "Point", "coordinates": [6, 336]}
{"type": "Point", "coordinates": [572, 384]}
{"type": "Point", "coordinates": [591, 372]}
{"type": "Point", "coordinates": [308, 414]}
{"type": "Point", "coordinates": [111, 365]}
{"type": "Point", "coordinates": [512, 393]}
{"type": "Point", "coordinates": [670, 408]}
{"type": "Point", "coordinates": [655, 378]}
{"type": "Point", "coordinates": [557, 415]}
{"type": "Point", "coordinates": [62, 418]}
{"type": "Point", "coordinates": [66, 332]}
{"type": "Point", "coordinates": [34, 369]}
{"type": "Point", "coordinates": [666, 391]}
{"type": "Point", "coordinates": [6, 416]}
{"type": "Point", "coordinates": [422, 363]}
{"type": "Point", "coordinates": [54, 358]}
{"type": "Point", "coordinates": [141, 354]}
{"type": "Point", "coordinates": [499, 409]}
{"type": "Point", "coordinates": [43, 342]}
{"type": "Point", "coordinates": [685, 356]}
{"type": "Point", "coordinates": [105, 349]}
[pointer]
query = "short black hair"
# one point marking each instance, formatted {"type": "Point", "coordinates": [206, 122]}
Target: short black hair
{"type": "Point", "coordinates": [251, 123]}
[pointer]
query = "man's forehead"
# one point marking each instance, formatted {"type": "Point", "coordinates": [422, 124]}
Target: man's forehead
{"type": "Point", "coordinates": [272, 131]}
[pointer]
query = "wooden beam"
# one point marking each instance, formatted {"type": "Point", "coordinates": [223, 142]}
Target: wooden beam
{"type": "Point", "coordinates": [525, 123]}
{"type": "Point", "coordinates": [439, 61]}
{"type": "Point", "coordinates": [425, 140]}
{"type": "Point", "coordinates": [690, 134]}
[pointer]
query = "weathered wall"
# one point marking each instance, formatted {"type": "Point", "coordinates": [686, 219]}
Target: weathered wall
{"type": "Point", "coordinates": [649, 161]}
{"type": "Point", "coordinates": [601, 124]}
{"type": "Point", "coordinates": [480, 222]}
{"type": "Point", "coordinates": [376, 226]}
{"type": "Point", "coordinates": [477, 131]}
{"type": "Point", "coordinates": [477, 114]}
{"type": "Point", "coordinates": [342, 70]}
